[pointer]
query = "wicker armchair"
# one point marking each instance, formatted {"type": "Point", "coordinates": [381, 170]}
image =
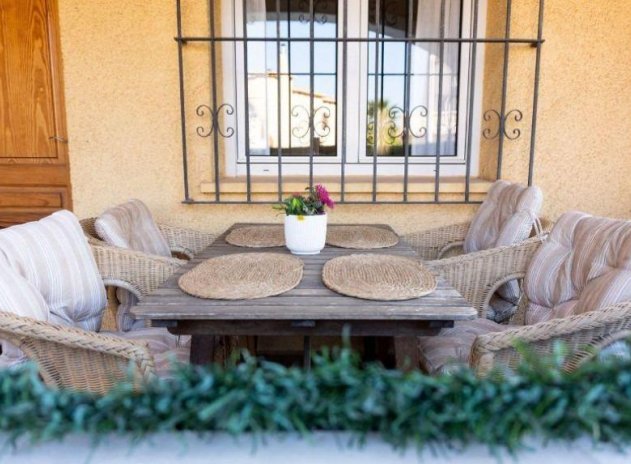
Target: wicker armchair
{"type": "Point", "coordinates": [77, 359]}
{"type": "Point", "coordinates": [182, 241]}
{"type": "Point", "coordinates": [478, 275]}
{"type": "Point", "coordinates": [447, 241]}
{"type": "Point", "coordinates": [73, 358]}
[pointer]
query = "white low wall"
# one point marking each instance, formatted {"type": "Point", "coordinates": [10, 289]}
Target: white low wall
{"type": "Point", "coordinates": [329, 448]}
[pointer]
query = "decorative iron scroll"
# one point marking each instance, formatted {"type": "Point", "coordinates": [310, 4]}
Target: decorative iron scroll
{"type": "Point", "coordinates": [320, 129]}
{"type": "Point", "coordinates": [203, 110]}
{"type": "Point", "coordinates": [502, 125]}
{"type": "Point", "coordinates": [407, 129]}
{"type": "Point", "coordinates": [390, 130]}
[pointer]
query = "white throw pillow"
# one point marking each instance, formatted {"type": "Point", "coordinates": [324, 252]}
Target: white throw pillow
{"type": "Point", "coordinates": [18, 296]}
{"type": "Point", "coordinates": [54, 256]}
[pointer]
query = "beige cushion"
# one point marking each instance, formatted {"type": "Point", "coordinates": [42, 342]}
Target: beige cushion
{"type": "Point", "coordinates": [131, 226]}
{"type": "Point", "coordinates": [54, 256]}
{"type": "Point", "coordinates": [18, 296]}
{"type": "Point", "coordinates": [506, 217]}
{"type": "Point", "coordinates": [165, 347]}
{"type": "Point", "coordinates": [584, 265]}
{"type": "Point", "coordinates": [452, 347]}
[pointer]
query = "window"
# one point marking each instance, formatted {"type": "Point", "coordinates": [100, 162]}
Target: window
{"type": "Point", "coordinates": [295, 64]}
{"type": "Point", "coordinates": [410, 96]}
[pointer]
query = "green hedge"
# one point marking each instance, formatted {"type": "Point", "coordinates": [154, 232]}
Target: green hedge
{"type": "Point", "coordinates": [338, 394]}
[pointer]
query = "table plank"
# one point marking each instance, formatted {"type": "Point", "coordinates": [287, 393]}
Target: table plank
{"type": "Point", "coordinates": [311, 299]}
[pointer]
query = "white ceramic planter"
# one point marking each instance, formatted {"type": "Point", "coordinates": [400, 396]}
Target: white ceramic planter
{"type": "Point", "coordinates": [305, 235]}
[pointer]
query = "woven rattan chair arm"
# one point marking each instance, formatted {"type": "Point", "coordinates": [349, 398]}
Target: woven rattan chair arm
{"type": "Point", "coordinates": [87, 225]}
{"type": "Point", "coordinates": [592, 352]}
{"type": "Point", "coordinates": [450, 250]}
{"type": "Point", "coordinates": [429, 243]}
{"type": "Point", "coordinates": [186, 241]}
{"type": "Point", "coordinates": [137, 272]}
{"type": "Point", "coordinates": [576, 332]}
{"type": "Point", "coordinates": [91, 361]}
{"type": "Point", "coordinates": [477, 275]}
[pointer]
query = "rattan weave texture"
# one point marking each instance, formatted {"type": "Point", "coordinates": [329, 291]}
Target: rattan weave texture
{"type": "Point", "coordinates": [361, 237]}
{"type": "Point", "coordinates": [263, 236]}
{"type": "Point", "coordinates": [378, 277]}
{"type": "Point", "coordinates": [243, 276]}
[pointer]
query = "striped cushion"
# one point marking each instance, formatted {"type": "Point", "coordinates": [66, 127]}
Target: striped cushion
{"type": "Point", "coordinates": [584, 265]}
{"type": "Point", "coordinates": [18, 296]}
{"type": "Point", "coordinates": [506, 217]}
{"type": "Point", "coordinates": [451, 349]}
{"type": "Point", "coordinates": [54, 256]}
{"type": "Point", "coordinates": [131, 226]}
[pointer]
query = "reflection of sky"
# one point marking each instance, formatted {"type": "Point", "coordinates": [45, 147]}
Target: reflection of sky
{"type": "Point", "coordinates": [262, 59]}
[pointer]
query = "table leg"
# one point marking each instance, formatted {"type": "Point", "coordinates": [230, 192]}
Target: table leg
{"type": "Point", "coordinates": [306, 353]}
{"type": "Point", "coordinates": [202, 349]}
{"type": "Point", "coordinates": [370, 348]}
{"type": "Point", "coordinates": [406, 353]}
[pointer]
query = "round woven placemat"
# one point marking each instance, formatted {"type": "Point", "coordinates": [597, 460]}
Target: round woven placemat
{"type": "Point", "coordinates": [257, 236]}
{"type": "Point", "coordinates": [243, 276]}
{"type": "Point", "coordinates": [378, 277]}
{"type": "Point", "coordinates": [361, 237]}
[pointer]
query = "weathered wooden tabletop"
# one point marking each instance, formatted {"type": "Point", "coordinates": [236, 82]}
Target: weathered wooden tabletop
{"type": "Point", "coordinates": [309, 309]}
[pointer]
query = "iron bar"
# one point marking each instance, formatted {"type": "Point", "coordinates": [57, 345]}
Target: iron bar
{"type": "Point", "coordinates": [500, 149]}
{"type": "Point", "coordinates": [440, 101]}
{"type": "Point", "coordinates": [535, 98]}
{"type": "Point", "coordinates": [213, 72]}
{"type": "Point", "coordinates": [311, 91]}
{"type": "Point", "coordinates": [246, 105]}
{"type": "Point", "coordinates": [359, 202]}
{"type": "Point", "coordinates": [342, 149]}
{"type": "Point", "coordinates": [473, 74]}
{"type": "Point", "coordinates": [406, 98]}
{"type": "Point", "coordinates": [362, 39]}
{"type": "Point", "coordinates": [394, 135]}
{"type": "Point", "coordinates": [180, 59]}
{"type": "Point", "coordinates": [278, 105]}
{"type": "Point", "coordinates": [289, 72]}
{"type": "Point", "coordinates": [375, 106]}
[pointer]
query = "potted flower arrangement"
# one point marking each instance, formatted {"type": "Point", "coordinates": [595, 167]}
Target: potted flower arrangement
{"type": "Point", "coordinates": [305, 220]}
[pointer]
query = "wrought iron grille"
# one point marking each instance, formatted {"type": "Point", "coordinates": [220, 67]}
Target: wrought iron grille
{"type": "Point", "coordinates": [374, 96]}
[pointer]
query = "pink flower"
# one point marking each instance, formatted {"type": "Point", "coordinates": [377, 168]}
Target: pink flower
{"type": "Point", "coordinates": [323, 196]}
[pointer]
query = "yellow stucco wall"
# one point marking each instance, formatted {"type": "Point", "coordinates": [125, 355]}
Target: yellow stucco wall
{"type": "Point", "coordinates": [121, 79]}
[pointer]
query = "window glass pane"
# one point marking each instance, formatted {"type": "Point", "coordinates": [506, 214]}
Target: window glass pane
{"type": "Point", "coordinates": [389, 19]}
{"type": "Point", "coordinates": [289, 110]}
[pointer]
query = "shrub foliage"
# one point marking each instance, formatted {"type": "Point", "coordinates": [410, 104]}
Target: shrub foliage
{"type": "Point", "coordinates": [339, 393]}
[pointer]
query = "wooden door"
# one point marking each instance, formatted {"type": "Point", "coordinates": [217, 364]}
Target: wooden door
{"type": "Point", "coordinates": [34, 171]}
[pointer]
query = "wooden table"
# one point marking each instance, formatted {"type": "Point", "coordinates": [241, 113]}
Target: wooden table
{"type": "Point", "coordinates": [308, 310]}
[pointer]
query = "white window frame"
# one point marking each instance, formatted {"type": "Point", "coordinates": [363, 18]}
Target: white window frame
{"type": "Point", "coordinates": [358, 163]}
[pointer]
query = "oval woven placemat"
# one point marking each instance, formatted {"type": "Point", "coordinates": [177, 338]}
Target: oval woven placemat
{"type": "Point", "coordinates": [243, 276]}
{"type": "Point", "coordinates": [361, 237]}
{"type": "Point", "coordinates": [378, 277]}
{"type": "Point", "coordinates": [257, 236]}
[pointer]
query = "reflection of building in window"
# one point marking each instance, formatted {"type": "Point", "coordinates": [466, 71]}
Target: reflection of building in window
{"type": "Point", "coordinates": [295, 105]}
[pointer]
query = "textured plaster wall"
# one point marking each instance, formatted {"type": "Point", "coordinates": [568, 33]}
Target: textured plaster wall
{"type": "Point", "coordinates": [121, 78]}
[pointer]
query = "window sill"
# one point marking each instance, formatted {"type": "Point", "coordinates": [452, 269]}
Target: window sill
{"type": "Point", "coordinates": [389, 188]}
